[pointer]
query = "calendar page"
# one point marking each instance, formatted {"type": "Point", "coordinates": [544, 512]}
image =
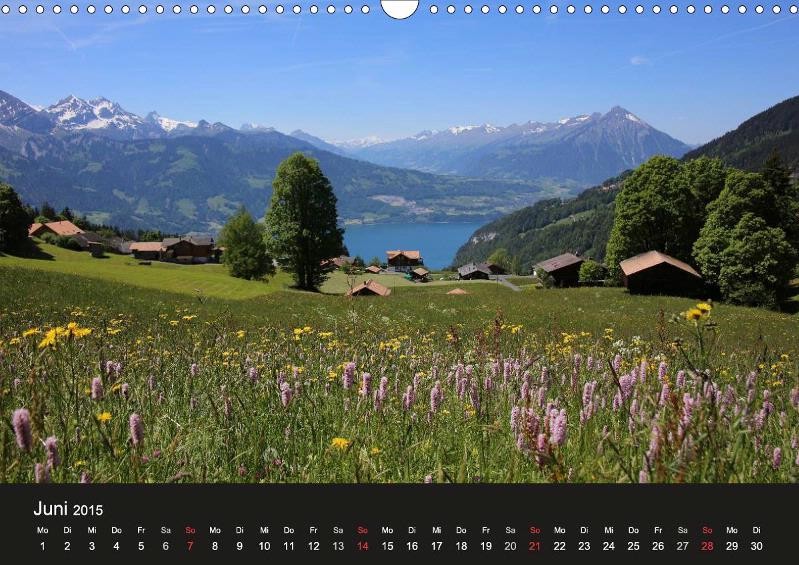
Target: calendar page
{"type": "Point", "coordinates": [398, 280]}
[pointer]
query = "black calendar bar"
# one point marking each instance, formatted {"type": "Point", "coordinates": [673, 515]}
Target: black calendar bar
{"type": "Point", "coordinates": [389, 524]}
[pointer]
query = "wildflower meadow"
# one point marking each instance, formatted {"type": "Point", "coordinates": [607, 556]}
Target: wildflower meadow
{"type": "Point", "coordinates": [107, 383]}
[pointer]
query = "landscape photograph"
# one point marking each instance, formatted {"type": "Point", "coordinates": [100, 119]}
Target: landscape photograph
{"type": "Point", "coordinates": [315, 245]}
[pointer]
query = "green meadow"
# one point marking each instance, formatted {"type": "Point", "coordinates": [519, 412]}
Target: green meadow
{"type": "Point", "coordinates": [181, 373]}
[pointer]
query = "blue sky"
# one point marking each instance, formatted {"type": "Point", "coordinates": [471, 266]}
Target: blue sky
{"type": "Point", "coordinates": [346, 76]}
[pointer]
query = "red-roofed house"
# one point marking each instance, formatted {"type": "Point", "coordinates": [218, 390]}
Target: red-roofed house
{"type": "Point", "coordinates": [63, 228]}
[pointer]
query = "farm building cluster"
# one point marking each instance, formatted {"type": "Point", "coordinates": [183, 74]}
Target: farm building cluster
{"type": "Point", "coordinates": [187, 249]}
{"type": "Point", "coordinates": [652, 272]}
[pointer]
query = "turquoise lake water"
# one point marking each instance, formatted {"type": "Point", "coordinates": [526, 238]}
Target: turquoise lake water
{"type": "Point", "coordinates": [437, 242]}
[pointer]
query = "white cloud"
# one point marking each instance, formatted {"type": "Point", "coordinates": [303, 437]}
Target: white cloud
{"type": "Point", "coordinates": [638, 60]}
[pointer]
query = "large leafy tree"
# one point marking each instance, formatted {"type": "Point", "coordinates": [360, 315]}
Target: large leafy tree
{"type": "Point", "coordinates": [14, 220]}
{"type": "Point", "coordinates": [753, 266]}
{"type": "Point", "coordinates": [748, 243]}
{"type": "Point", "coordinates": [654, 211]}
{"type": "Point", "coordinates": [301, 222]}
{"type": "Point", "coordinates": [743, 192]}
{"type": "Point", "coordinates": [245, 250]}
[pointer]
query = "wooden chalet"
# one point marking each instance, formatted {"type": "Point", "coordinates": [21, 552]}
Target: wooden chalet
{"type": "Point", "coordinates": [369, 288]}
{"type": "Point", "coordinates": [374, 269]}
{"type": "Point", "coordinates": [404, 261]}
{"type": "Point", "coordinates": [564, 269]}
{"type": "Point", "coordinates": [420, 274]}
{"type": "Point", "coordinates": [189, 249]}
{"type": "Point", "coordinates": [654, 272]}
{"type": "Point", "coordinates": [64, 228]}
{"type": "Point", "coordinates": [474, 271]}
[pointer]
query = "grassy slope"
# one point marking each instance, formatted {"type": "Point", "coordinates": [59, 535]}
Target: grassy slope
{"type": "Point", "coordinates": [546, 313]}
{"type": "Point", "coordinates": [207, 280]}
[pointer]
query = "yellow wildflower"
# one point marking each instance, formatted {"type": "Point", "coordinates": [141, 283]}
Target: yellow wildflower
{"type": "Point", "coordinates": [103, 417]}
{"type": "Point", "coordinates": [31, 331]}
{"type": "Point", "coordinates": [340, 443]}
{"type": "Point", "coordinates": [240, 334]}
{"type": "Point", "coordinates": [375, 450]}
{"type": "Point", "coordinates": [704, 307]}
{"type": "Point", "coordinates": [49, 339]}
{"type": "Point", "coordinates": [693, 314]}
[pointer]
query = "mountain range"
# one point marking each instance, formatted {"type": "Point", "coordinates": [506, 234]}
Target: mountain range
{"type": "Point", "coordinates": [583, 224]}
{"type": "Point", "coordinates": [579, 151]}
{"type": "Point", "coordinates": [156, 172]}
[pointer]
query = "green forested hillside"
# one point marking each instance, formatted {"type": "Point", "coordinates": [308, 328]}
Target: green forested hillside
{"type": "Point", "coordinates": [750, 144]}
{"type": "Point", "coordinates": [548, 228]}
{"type": "Point", "coordinates": [194, 182]}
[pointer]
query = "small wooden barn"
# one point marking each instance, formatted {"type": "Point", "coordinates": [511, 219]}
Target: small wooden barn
{"type": "Point", "coordinates": [564, 269]}
{"type": "Point", "coordinates": [369, 288]}
{"type": "Point", "coordinates": [420, 274]}
{"type": "Point", "coordinates": [374, 269]}
{"type": "Point", "coordinates": [404, 260]}
{"type": "Point", "coordinates": [654, 272]}
{"type": "Point", "coordinates": [472, 271]}
{"type": "Point", "coordinates": [146, 250]}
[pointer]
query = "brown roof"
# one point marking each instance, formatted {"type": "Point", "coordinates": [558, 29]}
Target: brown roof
{"type": "Point", "coordinates": [457, 291]}
{"type": "Point", "coordinates": [652, 259]}
{"type": "Point", "coordinates": [369, 287]}
{"type": "Point", "coordinates": [556, 263]}
{"type": "Point", "coordinates": [145, 246]}
{"type": "Point", "coordinates": [421, 271]}
{"type": "Point", "coordinates": [64, 227]}
{"type": "Point", "coordinates": [373, 269]}
{"type": "Point", "coordinates": [408, 254]}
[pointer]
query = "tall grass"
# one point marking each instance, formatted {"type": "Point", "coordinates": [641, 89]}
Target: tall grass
{"type": "Point", "coordinates": [582, 385]}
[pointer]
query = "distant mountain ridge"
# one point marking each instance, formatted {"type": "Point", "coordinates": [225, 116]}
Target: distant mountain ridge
{"type": "Point", "coordinates": [576, 151]}
{"type": "Point", "coordinates": [154, 172]}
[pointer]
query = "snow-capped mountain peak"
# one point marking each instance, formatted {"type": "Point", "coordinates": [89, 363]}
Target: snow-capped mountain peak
{"type": "Point", "coordinates": [485, 128]}
{"type": "Point", "coordinates": [622, 114]}
{"type": "Point", "coordinates": [359, 143]}
{"type": "Point", "coordinates": [168, 124]}
{"type": "Point", "coordinates": [73, 114]}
